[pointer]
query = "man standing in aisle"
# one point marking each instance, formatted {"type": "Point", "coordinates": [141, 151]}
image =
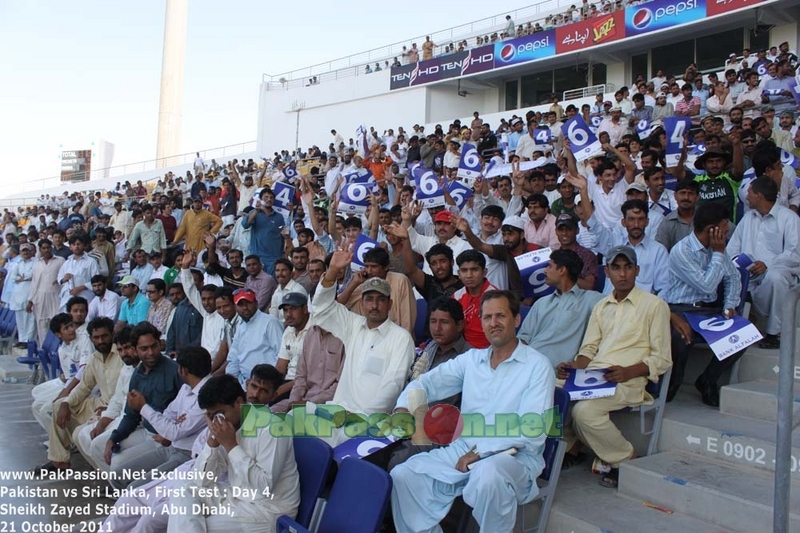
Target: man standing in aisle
{"type": "Point", "coordinates": [43, 299]}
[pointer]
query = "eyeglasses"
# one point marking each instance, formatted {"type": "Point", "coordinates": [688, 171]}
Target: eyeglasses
{"type": "Point", "coordinates": [150, 291]}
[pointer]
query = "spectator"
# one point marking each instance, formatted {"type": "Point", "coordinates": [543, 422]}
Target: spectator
{"type": "Point", "coordinates": [80, 405]}
{"type": "Point", "coordinates": [698, 263]}
{"type": "Point", "coordinates": [186, 325]}
{"type": "Point", "coordinates": [43, 300]}
{"type": "Point", "coordinates": [194, 224]}
{"type": "Point", "coordinates": [134, 305]}
{"type": "Point", "coordinates": [427, 49]}
{"type": "Point", "coordinates": [149, 234]}
{"type": "Point", "coordinates": [688, 105]}
{"type": "Point", "coordinates": [768, 234]}
{"type": "Point", "coordinates": [266, 226]}
{"type": "Point", "coordinates": [106, 303]}
{"type": "Point", "coordinates": [423, 487]}
{"type": "Point", "coordinates": [567, 227]}
{"type": "Point", "coordinates": [540, 228]}
{"type": "Point", "coordinates": [256, 339]}
{"type": "Point", "coordinates": [160, 308]}
{"type": "Point", "coordinates": [718, 185]}
{"type": "Point", "coordinates": [286, 285]}
{"type": "Point", "coordinates": [638, 323]}
{"type": "Point", "coordinates": [262, 284]}
{"type": "Point", "coordinates": [76, 273]}
{"type": "Point", "coordinates": [142, 271]}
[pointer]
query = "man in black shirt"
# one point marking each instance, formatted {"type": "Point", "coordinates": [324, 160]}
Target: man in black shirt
{"type": "Point", "coordinates": [233, 277]}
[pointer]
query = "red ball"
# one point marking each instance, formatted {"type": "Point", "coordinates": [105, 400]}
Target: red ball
{"type": "Point", "coordinates": [443, 424]}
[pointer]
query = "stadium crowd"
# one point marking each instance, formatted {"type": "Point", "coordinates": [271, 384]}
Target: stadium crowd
{"type": "Point", "coordinates": [178, 305]}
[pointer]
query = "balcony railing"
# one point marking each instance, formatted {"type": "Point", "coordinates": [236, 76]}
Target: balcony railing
{"type": "Point", "coordinates": [353, 65]}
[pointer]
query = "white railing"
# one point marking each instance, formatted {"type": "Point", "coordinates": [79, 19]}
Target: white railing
{"type": "Point", "coordinates": [154, 165]}
{"type": "Point", "coordinates": [574, 94]}
{"type": "Point", "coordinates": [353, 65]}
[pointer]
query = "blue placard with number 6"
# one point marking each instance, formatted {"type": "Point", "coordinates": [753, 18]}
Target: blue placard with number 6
{"type": "Point", "coordinates": [355, 198]}
{"type": "Point", "coordinates": [459, 193]}
{"type": "Point", "coordinates": [429, 193]}
{"type": "Point", "coordinates": [582, 142]}
{"type": "Point", "coordinates": [362, 245]}
{"type": "Point", "coordinates": [470, 165]}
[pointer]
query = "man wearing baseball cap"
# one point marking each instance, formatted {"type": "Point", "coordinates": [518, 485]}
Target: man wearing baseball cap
{"type": "Point", "coordinates": [628, 334]}
{"type": "Point", "coordinates": [257, 339]}
{"type": "Point", "coordinates": [445, 229]}
{"type": "Point", "coordinates": [379, 352]}
{"type": "Point", "coordinates": [567, 228]}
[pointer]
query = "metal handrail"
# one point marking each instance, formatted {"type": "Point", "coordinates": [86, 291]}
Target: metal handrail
{"type": "Point", "coordinates": [353, 65]}
{"type": "Point", "coordinates": [146, 166]}
{"type": "Point", "coordinates": [574, 94]}
{"type": "Point", "coordinates": [783, 442]}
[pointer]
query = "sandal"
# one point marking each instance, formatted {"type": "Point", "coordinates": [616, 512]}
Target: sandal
{"type": "Point", "coordinates": [610, 480]}
{"type": "Point", "coordinates": [770, 342]}
{"type": "Point", "coordinates": [40, 470]}
{"type": "Point", "coordinates": [572, 459]}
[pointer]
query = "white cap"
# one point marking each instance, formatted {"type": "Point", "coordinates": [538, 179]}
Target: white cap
{"type": "Point", "coordinates": [515, 221]}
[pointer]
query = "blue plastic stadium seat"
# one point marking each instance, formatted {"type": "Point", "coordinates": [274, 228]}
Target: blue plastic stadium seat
{"type": "Point", "coordinates": [314, 458]}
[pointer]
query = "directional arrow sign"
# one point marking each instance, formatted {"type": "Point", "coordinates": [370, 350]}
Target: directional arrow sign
{"type": "Point", "coordinates": [693, 440]}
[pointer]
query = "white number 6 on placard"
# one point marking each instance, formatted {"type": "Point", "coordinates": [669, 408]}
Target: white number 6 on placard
{"type": "Point", "coordinates": [577, 136]}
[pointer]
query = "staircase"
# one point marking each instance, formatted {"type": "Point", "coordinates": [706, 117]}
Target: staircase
{"type": "Point", "coordinates": [713, 471]}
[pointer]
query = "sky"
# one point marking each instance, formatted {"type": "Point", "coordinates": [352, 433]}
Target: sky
{"type": "Point", "coordinates": [79, 71]}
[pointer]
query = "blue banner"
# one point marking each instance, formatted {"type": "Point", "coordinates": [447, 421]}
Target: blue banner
{"type": "Point", "coordinates": [362, 245]}
{"type": "Point", "coordinates": [725, 336]}
{"type": "Point", "coordinates": [539, 45]}
{"type": "Point", "coordinates": [662, 14]}
{"type": "Point", "coordinates": [675, 128]}
{"type": "Point", "coordinates": [354, 199]}
{"type": "Point", "coordinates": [470, 165]}
{"type": "Point", "coordinates": [284, 198]}
{"type": "Point", "coordinates": [290, 173]}
{"type": "Point", "coordinates": [459, 193]}
{"type": "Point", "coordinates": [429, 192]}
{"type": "Point", "coordinates": [587, 384]}
{"type": "Point", "coordinates": [788, 158]}
{"type": "Point", "coordinates": [531, 268]}
{"type": "Point", "coordinates": [360, 447]}
{"type": "Point", "coordinates": [582, 142]}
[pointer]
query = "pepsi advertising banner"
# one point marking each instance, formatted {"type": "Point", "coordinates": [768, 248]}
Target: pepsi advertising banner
{"type": "Point", "coordinates": [662, 14]}
{"type": "Point", "coordinates": [523, 49]}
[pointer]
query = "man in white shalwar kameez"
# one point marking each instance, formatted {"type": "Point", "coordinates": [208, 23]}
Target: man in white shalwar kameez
{"type": "Point", "coordinates": [261, 465]}
{"type": "Point", "coordinates": [509, 377]}
{"type": "Point", "coordinates": [20, 275]}
{"type": "Point", "coordinates": [75, 275]}
{"type": "Point", "coordinates": [43, 300]}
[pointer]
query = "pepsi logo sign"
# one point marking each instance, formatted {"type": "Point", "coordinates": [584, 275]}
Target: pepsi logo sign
{"type": "Point", "coordinates": [642, 18]}
{"type": "Point", "coordinates": [508, 52]}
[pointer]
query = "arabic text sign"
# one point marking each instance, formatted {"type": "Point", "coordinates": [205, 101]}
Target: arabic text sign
{"type": "Point", "coordinates": [591, 32]}
{"type": "Point", "coordinates": [717, 7]}
{"type": "Point", "coordinates": [531, 268]}
{"type": "Point", "coordinates": [725, 336]}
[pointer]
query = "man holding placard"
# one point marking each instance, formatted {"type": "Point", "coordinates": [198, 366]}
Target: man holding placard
{"type": "Point", "coordinates": [768, 234]}
{"type": "Point", "coordinates": [697, 265]}
{"type": "Point", "coordinates": [628, 335]}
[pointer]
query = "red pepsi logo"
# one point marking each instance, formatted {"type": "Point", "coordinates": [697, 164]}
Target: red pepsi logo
{"type": "Point", "coordinates": [642, 18]}
{"type": "Point", "coordinates": [508, 52]}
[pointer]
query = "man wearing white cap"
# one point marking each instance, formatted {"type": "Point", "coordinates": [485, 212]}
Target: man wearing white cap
{"type": "Point", "coordinates": [612, 125]}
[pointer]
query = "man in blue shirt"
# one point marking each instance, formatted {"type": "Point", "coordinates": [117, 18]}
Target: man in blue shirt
{"type": "Point", "coordinates": [507, 377]}
{"type": "Point", "coordinates": [186, 327]}
{"type": "Point", "coordinates": [698, 263]}
{"type": "Point", "coordinates": [266, 226]}
{"type": "Point", "coordinates": [134, 305]}
{"type": "Point", "coordinates": [156, 379]}
{"type": "Point", "coordinates": [257, 339]}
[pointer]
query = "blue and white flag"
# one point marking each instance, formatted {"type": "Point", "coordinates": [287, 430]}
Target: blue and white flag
{"type": "Point", "coordinates": [643, 127]}
{"type": "Point", "coordinates": [788, 158]}
{"type": "Point", "coordinates": [743, 260]}
{"type": "Point", "coordinates": [290, 173]}
{"type": "Point", "coordinates": [361, 141]}
{"type": "Point", "coordinates": [360, 447]}
{"type": "Point", "coordinates": [429, 192]}
{"type": "Point", "coordinates": [360, 175]}
{"type": "Point", "coordinates": [675, 128]}
{"type": "Point", "coordinates": [459, 193]}
{"type": "Point", "coordinates": [543, 137]}
{"type": "Point", "coordinates": [284, 198]}
{"type": "Point", "coordinates": [355, 198]}
{"type": "Point", "coordinates": [725, 336]}
{"type": "Point", "coordinates": [772, 92]}
{"type": "Point", "coordinates": [531, 267]}
{"type": "Point", "coordinates": [582, 142]}
{"type": "Point", "coordinates": [469, 167]}
{"type": "Point", "coordinates": [588, 384]}
{"type": "Point", "coordinates": [362, 245]}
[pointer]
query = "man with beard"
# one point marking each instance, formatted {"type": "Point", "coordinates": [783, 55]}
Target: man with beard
{"type": "Point", "coordinates": [445, 230]}
{"type": "Point", "coordinates": [260, 390]}
{"type": "Point", "coordinates": [196, 223]}
{"type": "Point", "coordinates": [43, 298]}
{"type": "Point", "coordinates": [234, 277]}
{"type": "Point", "coordinates": [659, 198]}
{"type": "Point", "coordinates": [717, 184]}
{"type": "Point", "coordinates": [678, 223]}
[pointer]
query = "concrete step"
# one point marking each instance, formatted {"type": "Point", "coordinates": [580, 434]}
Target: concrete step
{"type": "Point", "coordinates": [692, 428]}
{"type": "Point", "coordinates": [730, 496]}
{"type": "Point", "coordinates": [609, 512]}
{"type": "Point", "coordinates": [754, 399]}
{"type": "Point", "coordinates": [762, 365]}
